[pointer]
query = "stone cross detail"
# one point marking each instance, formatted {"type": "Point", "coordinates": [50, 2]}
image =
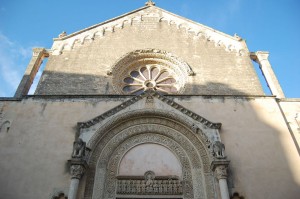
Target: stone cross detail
{"type": "Point", "coordinates": [150, 3]}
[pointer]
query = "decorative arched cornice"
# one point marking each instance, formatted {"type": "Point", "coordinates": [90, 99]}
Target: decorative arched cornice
{"type": "Point", "coordinates": [155, 54]}
{"type": "Point", "coordinates": [154, 94]}
{"type": "Point", "coordinates": [198, 31]}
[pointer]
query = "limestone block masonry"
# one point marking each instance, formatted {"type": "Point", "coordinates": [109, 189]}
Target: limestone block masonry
{"type": "Point", "coordinates": [149, 105]}
{"type": "Point", "coordinates": [81, 63]}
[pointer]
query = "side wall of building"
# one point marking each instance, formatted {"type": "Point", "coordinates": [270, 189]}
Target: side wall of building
{"type": "Point", "coordinates": [291, 111]}
{"type": "Point", "coordinates": [35, 148]}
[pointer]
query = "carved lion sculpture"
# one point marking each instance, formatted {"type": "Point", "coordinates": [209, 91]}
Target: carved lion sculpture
{"type": "Point", "coordinates": [78, 149]}
{"type": "Point", "coordinates": [219, 149]}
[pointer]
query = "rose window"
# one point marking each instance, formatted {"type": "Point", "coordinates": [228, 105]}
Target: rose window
{"type": "Point", "coordinates": [155, 77]}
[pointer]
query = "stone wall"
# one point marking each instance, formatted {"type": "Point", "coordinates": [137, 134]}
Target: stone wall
{"type": "Point", "coordinates": [83, 68]}
{"type": "Point", "coordinates": [34, 153]}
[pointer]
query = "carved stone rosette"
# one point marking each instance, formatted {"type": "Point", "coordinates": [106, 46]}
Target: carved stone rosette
{"type": "Point", "coordinates": [143, 69]}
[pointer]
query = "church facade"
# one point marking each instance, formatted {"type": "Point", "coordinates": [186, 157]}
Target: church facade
{"type": "Point", "coordinates": [149, 105]}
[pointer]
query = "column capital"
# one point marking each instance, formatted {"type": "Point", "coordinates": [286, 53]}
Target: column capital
{"type": "Point", "coordinates": [220, 168]}
{"type": "Point", "coordinates": [40, 51]}
{"type": "Point", "coordinates": [77, 171]}
{"type": "Point", "coordinates": [77, 168]}
{"type": "Point", "coordinates": [259, 56]}
{"type": "Point", "coordinates": [221, 172]}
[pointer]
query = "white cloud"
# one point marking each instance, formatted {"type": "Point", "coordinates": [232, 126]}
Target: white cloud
{"type": "Point", "coordinates": [225, 12]}
{"type": "Point", "coordinates": [13, 61]}
{"type": "Point", "coordinates": [184, 9]}
{"type": "Point", "coordinates": [234, 6]}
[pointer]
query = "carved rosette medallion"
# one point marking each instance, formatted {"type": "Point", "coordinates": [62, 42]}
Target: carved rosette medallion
{"type": "Point", "coordinates": [150, 69]}
{"type": "Point", "coordinates": [150, 77]}
{"type": "Point", "coordinates": [77, 171]}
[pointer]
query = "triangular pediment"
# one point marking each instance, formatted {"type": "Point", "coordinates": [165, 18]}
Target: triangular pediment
{"type": "Point", "coordinates": [148, 97]}
{"type": "Point", "coordinates": [66, 42]}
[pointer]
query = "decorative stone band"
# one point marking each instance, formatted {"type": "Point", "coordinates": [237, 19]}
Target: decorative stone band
{"type": "Point", "coordinates": [220, 168]}
{"type": "Point", "coordinates": [137, 185]}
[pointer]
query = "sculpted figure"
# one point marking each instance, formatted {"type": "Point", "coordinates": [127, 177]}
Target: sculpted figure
{"type": "Point", "coordinates": [78, 149]}
{"type": "Point", "coordinates": [219, 149]}
{"type": "Point", "coordinates": [63, 34]}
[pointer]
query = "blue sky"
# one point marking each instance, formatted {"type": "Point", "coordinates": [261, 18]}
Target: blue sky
{"type": "Point", "coordinates": [266, 25]}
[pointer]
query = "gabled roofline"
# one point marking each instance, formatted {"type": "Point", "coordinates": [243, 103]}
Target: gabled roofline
{"type": "Point", "coordinates": [146, 94]}
{"type": "Point", "coordinates": [143, 8]}
{"type": "Point", "coordinates": [102, 23]}
{"type": "Point", "coordinates": [199, 24]}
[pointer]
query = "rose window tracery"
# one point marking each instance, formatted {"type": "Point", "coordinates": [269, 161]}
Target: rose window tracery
{"type": "Point", "coordinates": [149, 69]}
{"type": "Point", "coordinates": [148, 77]}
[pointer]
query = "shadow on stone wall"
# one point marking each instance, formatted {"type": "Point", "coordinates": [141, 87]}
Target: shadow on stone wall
{"type": "Point", "coordinates": [57, 83]}
{"type": "Point", "coordinates": [259, 168]}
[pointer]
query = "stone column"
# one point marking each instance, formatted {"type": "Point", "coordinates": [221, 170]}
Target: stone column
{"type": "Point", "coordinates": [220, 169]}
{"type": "Point", "coordinates": [77, 170]}
{"type": "Point", "coordinates": [261, 58]}
{"type": "Point", "coordinates": [37, 57]}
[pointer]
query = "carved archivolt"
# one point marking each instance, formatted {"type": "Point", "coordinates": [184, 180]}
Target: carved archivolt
{"type": "Point", "coordinates": [156, 121]}
{"type": "Point", "coordinates": [141, 70]}
{"type": "Point", "coordinates": [114, 139]}
{"type": "Point", "coordinates": [187, 184]}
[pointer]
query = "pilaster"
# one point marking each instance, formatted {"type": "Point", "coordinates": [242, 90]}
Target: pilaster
{"type": "Point", "coordinates": [220, 169]}
{"type": "Point", "coordinates": [261, 57]}
{"type": "Point", "coordinates": [37, 58]}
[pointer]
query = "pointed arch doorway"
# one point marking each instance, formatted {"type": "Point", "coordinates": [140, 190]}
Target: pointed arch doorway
{"type": "Point", "coordinates": [122, 151]}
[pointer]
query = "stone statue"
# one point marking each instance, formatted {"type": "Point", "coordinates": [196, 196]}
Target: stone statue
{"type": "Point", "coordinates": [78, 149]}
{"type": "Point", "coordinates": [219, 150]}
{"type": "Point", "coordinates": [150, 3]}
{"type": "Point", "coordinates": [195, 128]}
{"type": "Point", "coordinates": [63, 34]}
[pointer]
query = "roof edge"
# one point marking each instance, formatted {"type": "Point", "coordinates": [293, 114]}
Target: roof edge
{"type": "Point", "coordinates": [236, 38]}
{"type": "Point", "coordinates": [99, 24]}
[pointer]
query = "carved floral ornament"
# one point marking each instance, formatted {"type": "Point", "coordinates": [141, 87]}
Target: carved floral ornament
{"type": "Point", "coordinates": [150, 69]}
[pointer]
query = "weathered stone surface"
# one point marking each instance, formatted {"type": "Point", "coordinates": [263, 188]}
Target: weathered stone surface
{"type": "Point", "coordinates": [82, 68]}
{"type": "Point", "coordinates": [248, 134]}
